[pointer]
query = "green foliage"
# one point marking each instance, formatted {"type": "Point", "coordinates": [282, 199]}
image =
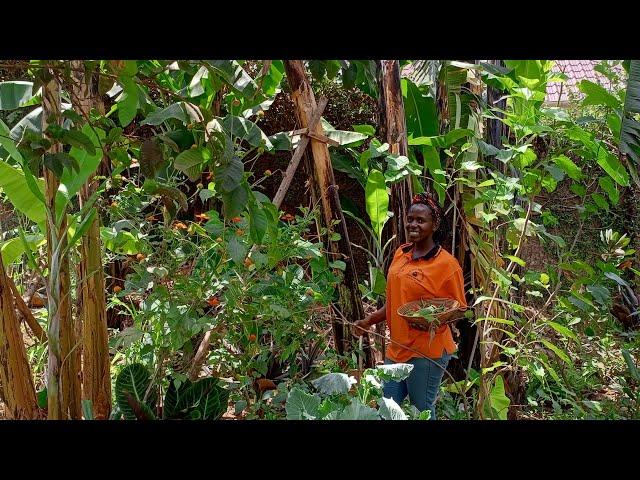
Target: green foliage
{"type": "Point", "coordinates": [204, 399]}
{"type": "Point", "coordinates": [134, 397]}
{"type": "Point", "coordinates": [341, 397]}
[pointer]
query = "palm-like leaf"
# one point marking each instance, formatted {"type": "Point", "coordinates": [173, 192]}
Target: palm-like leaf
{"type": "Point", "coordinates": [630, 130]}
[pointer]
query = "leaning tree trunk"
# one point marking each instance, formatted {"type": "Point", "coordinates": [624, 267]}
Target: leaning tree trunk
{"type": "Point", "coordinates": [63, 380]}
{"type": "Point", "coordinates": [16, 382]}
{"type": "Point", "coordinates": [350, 303]}
{"type": "Point", "coordinates": [95, 359]}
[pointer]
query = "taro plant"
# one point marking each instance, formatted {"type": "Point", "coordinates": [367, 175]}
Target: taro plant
{"type": "Point", "coordinates": [339, 396]}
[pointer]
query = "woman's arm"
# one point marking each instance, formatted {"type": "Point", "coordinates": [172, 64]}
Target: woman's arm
{"type": "Point", "coordinates": [378, 316]}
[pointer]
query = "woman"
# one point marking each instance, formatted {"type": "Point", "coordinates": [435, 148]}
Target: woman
{"type": "Point", "coordinates": [420, 269]}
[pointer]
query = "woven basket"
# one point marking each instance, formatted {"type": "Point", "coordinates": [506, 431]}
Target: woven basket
{"type": "Point", "coordinates": [443, 318]}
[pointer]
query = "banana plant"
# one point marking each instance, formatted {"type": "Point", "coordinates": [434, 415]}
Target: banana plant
{"type": "Point", "coordinates": [630, 127]}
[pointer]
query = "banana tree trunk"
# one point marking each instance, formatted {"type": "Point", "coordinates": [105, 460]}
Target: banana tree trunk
{"type": "Point", "coordinates": [496, 129]}
{"type": "Point", "coordinates": [350, 303]}
{"type": "Point", "coordinates": [393, 129]}
{"type": "Point", "coordinates": [63, 380]}
{"type": "Point", "coordinates": [95, 358]}
{"type": "Point", "coordinates": [18, 392]}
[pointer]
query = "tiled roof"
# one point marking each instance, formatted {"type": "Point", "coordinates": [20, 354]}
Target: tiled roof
{"type": "Point", "coordinates": [576, 71]}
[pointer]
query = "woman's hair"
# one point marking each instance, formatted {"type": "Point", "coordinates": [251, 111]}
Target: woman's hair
{"type": "Point", "coordinates": [439, 220]}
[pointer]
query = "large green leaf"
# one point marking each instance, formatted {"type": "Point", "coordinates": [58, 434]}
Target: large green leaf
{"type": "Point", "coordinates": [8, 143]}
{"type": "Point", "coordinates": [377, 201]}
{"type": "Point", "coordinates": [14, 185]}
{"type": "Point", "coordinates": [394, 371]}
{"type": "Point", "coordinates": [190, 162]}
{"type": "Point", "coordinates": [608, 186]}
{"type": "Point", "coordinates": [204, 399]}
{"type": "Point", "coordinates": [88, 163]}
{"type": "Point", "coordinates": [246, 130]}
{"type": "Point", "coordinates": [390, 410]}
{"type": "Point", "coordinates": [301, 405]}
{"type": "Point", "coordinates": [443, 141]}
{"type": "Point", "coordinates": [611, 164]}
{"type": "Point", "coordinates": [343, 137]}
{"type": "Point", "coordinates": [498, 399]}
{"type": "Point", "coordinates": [121, 242]}
{"type": "Point", "coordinates": [131, 385]}
{"type": "Point", "coordinates": [237, 250]}
{"type": "Point", "coordinates": [561, 329]}
{"type": "Point", "coordinates": [31, 121]}
{"type": "Point", "coordinates": [597, 95]}
{"type": "Point", "coordinates": [232, 73]}
{"type": "Point", "coordinates": [357, 411]}
{"type": "Point", "coordinates": [235, 201]}
{"type": "Point", "coordinates": [13, 94]}
{"type": "Point", "coordinates": [128, 103]}
{"type": "Point", "coordinates": [333, 383]}
{"type": "Point", "coordinates": [228, 176]}
{"type": "Point", "coordinates": [420, 111]}
{"type": "Point", "coordinates": [567, 165]}
{"type": "Point", "coordinates": [257, 221]}
{"type": "Point", "coordinates": [630, 130]}
{"type": "Point", "coordinates": [182, 111]}
{"type": "Point", "coordinates": [13, 249]}
{"type": "Point", "coordinates": [559, 352]}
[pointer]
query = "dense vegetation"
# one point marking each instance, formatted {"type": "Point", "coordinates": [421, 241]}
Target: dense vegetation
{"type": "Point", "coordinates": [149, 269]}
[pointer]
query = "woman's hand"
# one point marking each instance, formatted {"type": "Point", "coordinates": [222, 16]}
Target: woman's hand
{"type": "Point", "coordinates": [359, 327]}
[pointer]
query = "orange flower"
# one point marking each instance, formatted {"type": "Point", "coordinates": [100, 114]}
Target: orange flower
{"type": "Point", "coordinates": [236, 219]}
{"type": "Point", "coordinates": [180, 225]}
{"type": "Point", "coordinates": [202, 216]}
{"type": "Point", "coordinates": [213, 301]}
{"type": "Point", "coordinates": [287, 217]}
{"type": "Point", "coordinates": [252, 337]}
{"type": "Point", "coordinates": [117, 289]}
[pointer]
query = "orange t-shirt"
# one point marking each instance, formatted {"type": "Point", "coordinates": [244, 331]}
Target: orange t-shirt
{"type": "Point", "coordinates": [431, 276]}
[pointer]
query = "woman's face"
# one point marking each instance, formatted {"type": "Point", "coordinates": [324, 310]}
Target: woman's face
{"type": "Point", "coordinates": [419, 223]}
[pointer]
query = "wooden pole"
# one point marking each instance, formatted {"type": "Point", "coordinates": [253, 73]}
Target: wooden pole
{"type": "Point", "coordinates": [350, 303]}
{"type": "Point", "coordinates": [394, 130]}
{"type": "Point", "coordinates": [297, 155]}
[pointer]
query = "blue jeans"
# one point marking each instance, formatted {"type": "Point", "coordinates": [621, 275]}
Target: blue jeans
{"type": "Point", "coordinates": [422, 385]}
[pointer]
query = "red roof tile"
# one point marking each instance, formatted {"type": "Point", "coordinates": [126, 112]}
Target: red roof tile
{"type": "Point", "coordinates": [576, 70]}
